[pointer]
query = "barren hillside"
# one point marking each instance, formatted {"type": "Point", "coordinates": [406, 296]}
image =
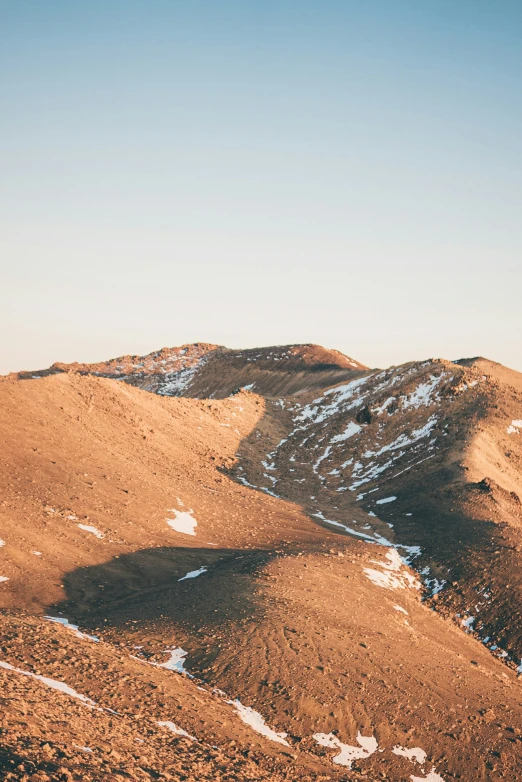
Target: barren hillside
{"type": "Point", "coordinates": [314, 577]}
{"type": "Point", "coordinates": [203, 370]}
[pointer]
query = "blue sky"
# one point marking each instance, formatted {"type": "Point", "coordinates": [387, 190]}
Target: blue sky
{"type": "Point", "coordinates": [258, 172]}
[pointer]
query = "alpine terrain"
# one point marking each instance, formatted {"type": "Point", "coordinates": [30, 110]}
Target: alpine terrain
{"type": "Point", "coordinates": [270, 564]}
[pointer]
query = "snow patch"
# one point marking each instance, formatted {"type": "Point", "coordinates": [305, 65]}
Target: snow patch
{"type": "Point", "coordinates": [176, 661]}
{"type": "Point", "coordinates": [415, 754]}
{"type": "Point", "coordinates": [392, 576]}
{"type": "Point", "coordinates": [183, 522]}
{"type": "Point", "coordinates": [91, 529]}
{"type": "Point", "coordinates": [52, 683]}
{"type": "Point", "coordinates": [257, 722]}
{"type": "Point", "coordinates": [434, 585]}
{"type": "Point", "coordinates": [65, 622]}
{"type": "Point", "coordinates": [377, 539]}
{"type": "Point", "coordinates": [325, 455]}
{"type": "Point", "coordinates": [176, 383]}
{"type": "Point", "coordinates": [422, 396]}
{"type": "Point", "coordinates": [174, 729]}
{"type": "Point", "coordinates": [432, 777]}
{"type": "Point", "coordinates": [380, 410]}
{"type": "Point", "coordinates": [347, 754]}
{"type": "Point", "coordinates": [194, 573]}
{"type": "Point", "coordinates": [340, 394]}
{"type": "Point", "coordinates": [385, 500]}
{"type": "Point", "coordinates": [351, 429]}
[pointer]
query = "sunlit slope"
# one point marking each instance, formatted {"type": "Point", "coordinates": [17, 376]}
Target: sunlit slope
{"type": "Point", "coordinates": [91, 469]}
{"type": "Point", "coordinates": [204, 370]}
{"type": "Point", "coordinates": [261, 545]}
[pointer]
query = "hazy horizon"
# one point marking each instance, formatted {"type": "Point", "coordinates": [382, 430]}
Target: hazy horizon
{"type": "Point", "coordinates": [340, 173]}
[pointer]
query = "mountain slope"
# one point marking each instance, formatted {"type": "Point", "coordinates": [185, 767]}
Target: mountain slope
{"type": "Point", "coordinates": [204, 370]}
{"type": "Point", "coordinates": [254, 543]}
{"type": "Point", "coordinates": [425, 456]}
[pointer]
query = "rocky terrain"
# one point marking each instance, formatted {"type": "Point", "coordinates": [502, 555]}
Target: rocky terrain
{"type": "Point", "coordinates": [278, 565]}
{"type": "Point", "coordinates": [203, 370]}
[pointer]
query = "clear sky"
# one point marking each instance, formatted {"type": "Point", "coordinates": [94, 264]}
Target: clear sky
{"type": "Point", "coordinates": [345, 172]}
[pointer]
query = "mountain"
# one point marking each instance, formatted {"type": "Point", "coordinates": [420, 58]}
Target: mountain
{"type": "Point", "coordinates": [315, 573]}
{"type": "Point", "coordinates": [202, 370]}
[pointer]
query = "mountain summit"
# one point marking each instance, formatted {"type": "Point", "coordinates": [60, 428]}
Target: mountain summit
{"type": "Point", "coordinates": [201, 370]}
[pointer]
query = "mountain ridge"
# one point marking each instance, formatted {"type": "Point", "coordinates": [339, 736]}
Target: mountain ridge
{"type": "Point", "coordinates": [202, 369]}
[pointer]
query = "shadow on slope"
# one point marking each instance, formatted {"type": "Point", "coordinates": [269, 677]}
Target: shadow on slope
{"type": "Point", "coordinates": [461, 525]}
{"type": "Point", "coordinates": [146, 587]}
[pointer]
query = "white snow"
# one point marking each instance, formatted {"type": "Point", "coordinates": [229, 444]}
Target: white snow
{"type": "Point", "coordinates": [468, 623]}
{"type": "Point", "coordinates": [256, 721]}
{"type": "Point", "coordinates": [4, 578]}
{"type": "Point", "coordinates": [422, 394]}
{"type": "Point", "coordinates": [37, 553]}
{"type": "Point", "coordinates": [515, 427]}
{"type": "Point", "coordinates": [415, 754]}
{"type": "Point", "coordinates": [401, 609]}
{"type": "Point", "coordinates": [91, 529]}
{"type": "Point", "coordinates": [340, 394]}
{"type": "Point", "coordinates": [432, 777]}
{"type": "Point", "coordinates": [385, 500]}
{"type": "Point", "coordinates": [2, 543]}
{"type": "Point", "coordinates": [368, 745]}
{"type": "Point", "coordinates": [55, 685]}
{"type": "Point", "coordinates": [392, 576]}
{"type": "Point", "coordinates": [351, 429]}
{"type": "Point", "coordinates": [434, 585]}
{"type": "Point", "coordinates": [176, 661]}
{"type": "Point", "coordinates": [377, 539]}
{"type": "Point", "coordinates": [325, 455]}
{"type": "Point", "coordinates": [175, 383]}
{"type": "Point", "coordinates": [183, 522]}
{"type": "Point", "coordinates": [174, 728]}
{"type": "Point", "coordinates": [65, 622]}
{"type": "Point", "coordinates": [372, 470]}
{"type": "Point", "coordinates": [380, 410]}
{"type": "Point", "coordinates": [194, 573]}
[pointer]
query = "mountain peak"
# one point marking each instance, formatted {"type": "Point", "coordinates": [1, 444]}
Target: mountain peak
{"type": "Point", "coordinates": [201, 369]}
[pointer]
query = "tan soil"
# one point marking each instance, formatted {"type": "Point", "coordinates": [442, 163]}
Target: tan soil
{"type": "Point", "coordinates": [286, 618]}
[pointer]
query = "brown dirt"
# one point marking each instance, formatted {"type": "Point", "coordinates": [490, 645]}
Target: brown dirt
{"type": "Point", "coordinates": [286, 617]}
{"type": "Point", "coordinates": [203, 370]}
